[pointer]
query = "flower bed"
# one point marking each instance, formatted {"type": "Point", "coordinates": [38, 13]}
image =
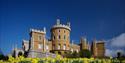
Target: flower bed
{"type": "Point", "coordinates": [59, 60]}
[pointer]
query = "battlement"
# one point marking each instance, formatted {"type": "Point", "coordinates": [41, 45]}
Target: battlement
{"type": "Point", "coordinates": [39, 31]}
{"type": "Point", "coordinates": [59, 25]}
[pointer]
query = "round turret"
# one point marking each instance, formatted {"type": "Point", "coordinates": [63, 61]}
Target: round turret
{"type": "Point", "coordinates": [60, 36]}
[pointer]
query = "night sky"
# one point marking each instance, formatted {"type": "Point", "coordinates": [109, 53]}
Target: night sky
{"type": "Point", "coordinates": [93, 19]}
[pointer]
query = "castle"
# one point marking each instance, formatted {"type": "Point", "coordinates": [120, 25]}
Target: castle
{"type": "Point", "coordinates": [38, 45]}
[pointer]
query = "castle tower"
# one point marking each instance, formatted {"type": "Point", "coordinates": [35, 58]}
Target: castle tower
{"type": "Point", "coordinates": [100, 48]}
{"type": "Point", "coordinates": [88, 46]}
{"type": "Point", "coordinates": [37, 40]}
{"type": "Point", "coordinates": [94, 48]}
{"type": "Point", "coordinates": [83, 44]}
{"type": "Point", "coordinates": [60, 36]}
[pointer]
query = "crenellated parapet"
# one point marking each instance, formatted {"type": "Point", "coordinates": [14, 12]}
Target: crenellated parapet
{"type": "Point", "coordinates": [59, 25]}
{"type": "Point", "coordinates": [39, 31]}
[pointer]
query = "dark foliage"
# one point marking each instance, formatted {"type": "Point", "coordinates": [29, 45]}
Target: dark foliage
{"type": "Point", "coordinates": [1, 56]}
{"type": "Point", "coordinates": [25, 54]}
{"type": "Point", "coordinates": [85, 53]}
{"type": "Point", "coordinates": [20, 54]}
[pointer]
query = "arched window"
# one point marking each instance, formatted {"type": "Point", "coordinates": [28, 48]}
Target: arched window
{"type": "Point", "coordinates": [64, 37]}
{"type": "Point", "coordinates": [54, 46]}
{"type": "Point", "coordinates": [47, 47]}
{"type": "Point", "coordinates": [39, 37]}
{"type": "Point", "coordinates": [59, 37]}
{"type": "Point", "coordinates": [40, 46]}
{"type": "Point", "coordinates": [59, 46]}
{"type": "Point", "coordinates": [64, 31]}
{"type": "Point", "coordinates": [59, 30]}
{"type": "Point", "coordinates": [64, 47]}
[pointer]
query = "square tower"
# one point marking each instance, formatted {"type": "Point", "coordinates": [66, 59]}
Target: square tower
{"type": "Point", "coordinates": [37, 40]}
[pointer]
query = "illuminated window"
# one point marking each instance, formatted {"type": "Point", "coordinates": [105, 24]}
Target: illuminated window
{"type": "Point", "coordinates": [59, 46]}
{"type": "Point", "coordinates": [64, 47]}
{"type": "Point", "coordinates": [40, 46]}
{"type": "Point", "coordinates": [72, 50]}
{"type": "Point", "coordinates": [47, 47]}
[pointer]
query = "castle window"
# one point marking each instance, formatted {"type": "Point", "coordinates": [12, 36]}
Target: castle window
{"type": "Point", "coordinates": [64, 31]}
{"type": "Point", "coordinates": [40, 46]}
{"type": "Point", "coordinates": [39, 37]}
{"type": "Point", "coordinates": [54, 46]}
{"type": "Point", "coordinates": [64, 37]}
{"type": "Point", "coordinates": [64, 47]}
{"type": "Point", "coordinates": [72, 50]}
{"type": "Point", "coordinates": [47, 47]}
{"type": "Point", "coordinates": [59, 37]}
{"type": "Point", "coordinates": [59, 46]}
{"type": "Point", "coordinates": [59, 30]}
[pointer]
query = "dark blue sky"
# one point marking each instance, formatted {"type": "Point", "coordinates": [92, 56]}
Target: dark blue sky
{"type": "Point", "coordinates": [100, 19]}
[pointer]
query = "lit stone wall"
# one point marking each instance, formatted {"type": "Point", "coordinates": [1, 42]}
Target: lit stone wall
{"type": "Point", "coordinates": [74, 47]}
{"type": "Point", "coordinates": [60, 36]}
{"type": "Point", "coordinates": [100, 49]}
{"type": "Point", "coordinates": [37, 40]}
{"type": "Point", "coordinates": [60, 39]}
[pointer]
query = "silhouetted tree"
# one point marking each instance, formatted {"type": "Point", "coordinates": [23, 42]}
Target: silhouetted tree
{"type": "Point", "coordinates": [26, 54]}
{"type": "Point", "coordinates": [20, 54]}
{"type": "Point", "coordinates": [85, 53]}
{"type": "Point", "coordinates": [1, 55]}
{"type": "Point", "coordinates": [5, 58]}
{"type": "Point", "coordinates": [118, 54]}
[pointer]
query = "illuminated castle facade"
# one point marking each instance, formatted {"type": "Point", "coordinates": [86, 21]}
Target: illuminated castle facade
{"type": "Point", "coordinates": [59, 43]}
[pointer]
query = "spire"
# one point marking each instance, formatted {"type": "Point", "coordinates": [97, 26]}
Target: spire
{"type": "Point", "coordinates": [44, 29]}
{"type": "Point", "coordinates": [68, 23]}
{"type": "Point", "coordinates": [58, 21]}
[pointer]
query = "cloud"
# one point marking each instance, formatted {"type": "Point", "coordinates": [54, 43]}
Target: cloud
{"type": "Point", "coordinates": [108, 52]}
{"type": "Point", "coordinates": [118, 41]}
{"type": "Point", "coordinates": [111, 52]}
{"type": "Point", "coordinates": [116, 44]}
